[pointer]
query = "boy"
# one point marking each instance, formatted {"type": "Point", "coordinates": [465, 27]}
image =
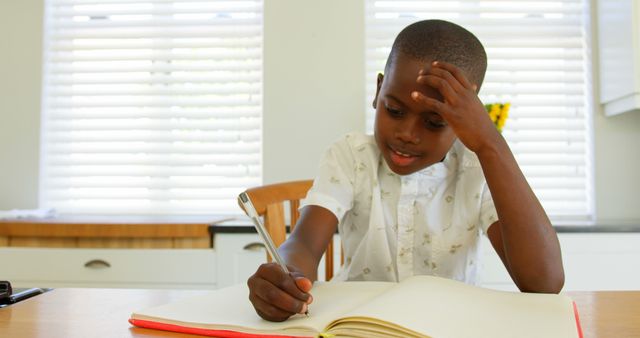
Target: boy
{"type": "Point", "coordinates": [414, 198]}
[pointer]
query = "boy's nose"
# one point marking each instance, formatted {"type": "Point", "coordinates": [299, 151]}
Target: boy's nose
{"type": "Point", "coordinates": [407, 131]}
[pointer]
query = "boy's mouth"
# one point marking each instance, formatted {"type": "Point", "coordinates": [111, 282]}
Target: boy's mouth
{"type": "Point", "coordinates": [402, 158]}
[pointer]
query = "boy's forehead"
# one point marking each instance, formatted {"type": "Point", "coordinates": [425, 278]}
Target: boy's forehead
{"type": "Point", "coordinates": [401, 79]}
{"type": "Point", "coordinates": [404, 72]}
{"type": "Point", "coordinates": [402, 62]}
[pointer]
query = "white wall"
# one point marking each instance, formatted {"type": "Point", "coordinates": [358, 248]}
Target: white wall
{"type": "Point", "coordinates": [313, 82]}
{"type": "Point", "coordinates": [20, 70]}
{"type": "Point", "coordinates": [617, 168]}
{"type": "Point", "coordinates": [314, 73]}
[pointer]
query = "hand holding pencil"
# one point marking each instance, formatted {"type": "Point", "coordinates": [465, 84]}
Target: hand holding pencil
{"type": "Point", "coordinates": [277, 291]}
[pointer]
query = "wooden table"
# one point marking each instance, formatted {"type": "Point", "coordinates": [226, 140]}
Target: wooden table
{"type": "Point", "coordinates": [86, 313]}
{"type": "Point", "coordinates": [608, 314]}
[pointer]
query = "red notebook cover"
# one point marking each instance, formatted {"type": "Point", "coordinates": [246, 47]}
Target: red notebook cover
{"type": "Point", "coordinates": [203, 332]}
{"type": "Point", "coordinates": [575, 314]}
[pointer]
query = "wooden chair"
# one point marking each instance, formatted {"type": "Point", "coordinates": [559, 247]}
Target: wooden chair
{"type": "Point", "coordinates": [269, 201]}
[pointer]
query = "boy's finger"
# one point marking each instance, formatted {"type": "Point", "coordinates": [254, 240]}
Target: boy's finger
{"type": "Point", "coordinates": [268, 311]}
{"type": "Point", "coordinates": [447, 76]}
{"type": "Point", "coordinates": [304, 284]}
{"type": "Point", "coordinates": [289, 284]}
{"type": "Point", "coordinates": [431, 104]}
{"type": "Point", "coordinates": [457, 72]}
{"type": "Point", "coordinates": [449, 94]}
{"type": "Point", "coordinates": [274, 274]}
{"type": "Point", "coordinates": [276, 296]}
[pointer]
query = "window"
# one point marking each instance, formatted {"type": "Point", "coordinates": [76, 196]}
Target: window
{"type": "Point", "coordinates": [151, 106]}
{"type": "Point", "coordinates": [538, 60]}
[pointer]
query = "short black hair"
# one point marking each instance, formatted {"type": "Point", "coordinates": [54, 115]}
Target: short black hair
{"type": "Point", "coordinates": [439, 40]}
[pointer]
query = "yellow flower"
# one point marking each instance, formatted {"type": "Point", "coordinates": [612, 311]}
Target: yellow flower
{"type": "Point", "coordinates": [494, 112]}
{"type": "Point", "coordinates": [498, 113]}
{"type": "Point", "coordinates": [503, 117]}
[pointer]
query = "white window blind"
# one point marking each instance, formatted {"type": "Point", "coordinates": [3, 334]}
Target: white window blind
{"type": "Point", "coordinates": [151, 106]}
{"type": "Point", "coordinates": [538, 60]}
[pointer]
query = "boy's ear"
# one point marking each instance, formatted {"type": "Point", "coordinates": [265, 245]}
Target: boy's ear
{"type": "Point", "coordinates": [378, 85]}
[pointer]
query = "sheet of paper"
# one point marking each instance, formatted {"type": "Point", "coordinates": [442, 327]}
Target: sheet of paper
{"type": "Point", "coordinates": [443, 308]}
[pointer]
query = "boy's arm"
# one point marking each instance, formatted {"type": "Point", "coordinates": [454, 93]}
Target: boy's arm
{"type": "Point", "coordinates": [308, 242]}
{"type": "Point", "coordinates": [523, 236]}
{"type": "Point", "coordinates": [275, 295]}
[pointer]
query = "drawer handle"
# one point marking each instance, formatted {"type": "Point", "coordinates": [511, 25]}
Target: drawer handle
{"type": "Point", "coordinates": [254, 246]}
{"type": "Point", "coordinates": [97, 264]}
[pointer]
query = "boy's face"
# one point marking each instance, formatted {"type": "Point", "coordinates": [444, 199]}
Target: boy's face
{"type": "Point", "coordinates": [409, 136]}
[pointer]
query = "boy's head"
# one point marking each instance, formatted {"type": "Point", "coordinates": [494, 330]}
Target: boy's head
{"type": "Point", "coordinates": [438, 40]}
{"type": "Point", "coordinates": [409, 136]}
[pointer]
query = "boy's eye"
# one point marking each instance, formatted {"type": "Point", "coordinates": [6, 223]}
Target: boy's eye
{"type": "Point", "coordinates": [393, 111]}
{"type": "Point", "coordinates": [435, 124]}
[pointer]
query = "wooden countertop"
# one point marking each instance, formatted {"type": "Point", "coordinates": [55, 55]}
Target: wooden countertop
{"type": "Point", "coordinates": [159, 232]}
{"type": "Point", "coordinates": [115, 226]}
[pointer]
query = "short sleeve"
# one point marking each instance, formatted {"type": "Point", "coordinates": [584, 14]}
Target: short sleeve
{"type": "Point", "coordinates": [488, 213]}
{"type": "Point", "coordinates": [333, 187]}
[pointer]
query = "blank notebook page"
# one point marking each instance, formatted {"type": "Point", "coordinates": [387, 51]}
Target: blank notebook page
{"type": "Point", "coordinates": [442, 308]}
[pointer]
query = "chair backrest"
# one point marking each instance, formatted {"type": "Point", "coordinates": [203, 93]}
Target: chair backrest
{"type": "Point", "coordinates": [269, 202]}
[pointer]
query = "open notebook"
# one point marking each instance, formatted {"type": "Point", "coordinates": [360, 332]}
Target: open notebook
{"type": "Point", "coordinates": [420, 306]}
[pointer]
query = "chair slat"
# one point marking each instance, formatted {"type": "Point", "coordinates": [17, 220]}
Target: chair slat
{"type": "Point", "coordinates": [273, 219]}
{"type": "Point", "coordinates": [269, 201]}
{"type": "Point", "coordinates": [328, 262]}
{"type": "Point", "coordinates": [294, 213]}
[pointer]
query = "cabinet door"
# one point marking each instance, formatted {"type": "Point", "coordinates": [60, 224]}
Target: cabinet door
{"type": "Point", "coordinates": [619, 47]}
{"type": "Point", "coordinates": [604, 261]}
{"type": "Point", "coordinates": [240, 255]}
{"type": "Point", "coordinates": [129, 268]}
{"type": "Point", "coordinates": [492, 273]}
{"type": "Point", "coordinates": [592, 261]}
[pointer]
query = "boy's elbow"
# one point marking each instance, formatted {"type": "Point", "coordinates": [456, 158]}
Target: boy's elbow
{"type": "Point", "coordinates": [549, 287]}
{"type": "Point", "coordinates": [545, 283]}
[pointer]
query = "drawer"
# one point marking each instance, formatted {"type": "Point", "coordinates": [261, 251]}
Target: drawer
{"type": "Point", "coordinates": [108, 267]}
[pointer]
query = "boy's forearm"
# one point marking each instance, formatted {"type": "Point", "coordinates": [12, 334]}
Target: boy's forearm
{"type": "Point", "coordinates": [308, 241]}
{"type": "Point", "coordinates": [531, 247]}
{"type": "Point", "coordinates": [297, 254]}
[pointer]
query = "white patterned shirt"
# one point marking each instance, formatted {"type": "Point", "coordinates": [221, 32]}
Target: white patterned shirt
{"type": "Point", "coordinates": [392, 226]}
